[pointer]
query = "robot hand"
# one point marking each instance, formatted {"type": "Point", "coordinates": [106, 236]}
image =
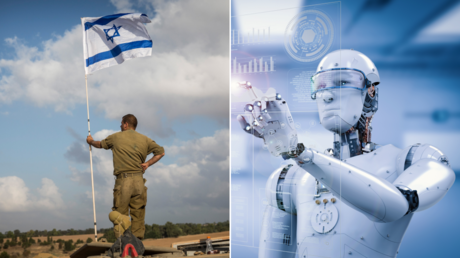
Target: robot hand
{"type": "Point", "coordinates": [267, 116]}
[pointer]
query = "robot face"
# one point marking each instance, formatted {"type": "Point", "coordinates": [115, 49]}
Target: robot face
{"type": "Point", "coordinates": [340, 96]}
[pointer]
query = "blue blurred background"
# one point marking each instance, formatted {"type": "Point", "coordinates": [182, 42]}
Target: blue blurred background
{"type": "Point", "coordinates": [416, 47]}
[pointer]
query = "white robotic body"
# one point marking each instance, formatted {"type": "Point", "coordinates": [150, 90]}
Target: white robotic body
{"type": "Point", "coordinates": [290, 190]}
{"type": "Point", "coordinates": [394, 231]}
{"type": "Point", "coordinates": [278, 236]}
{"type": "Point", "coordinates": [367, 193]}
{"type": "Point", "coordinates": [346, 58]}
{"type": "Point", "coordinates": [281, 186]}
{"type": "Point", "coordinates": [347, 250]}
{"type": "Point", "coordinates": [391, 176]}
{"type": "Point", "coordinates": [334, 245]}
{"type": "Point", "coordinates": [430, 179]}
{"type": "Point", "coordinates": [270, 187]}
{"type": "Point", "coordinates": [354, 229]}
{"type": "Point", "coordinates": [401, 159]}
{"type": "Point", "coordinates": [288, 202]}
{"type": "Point", "coordinates": [324, 217]}
{"type": "Point", "coordinates": [427, 151]}
{"type": "Point", "coordinates": [380, 162]}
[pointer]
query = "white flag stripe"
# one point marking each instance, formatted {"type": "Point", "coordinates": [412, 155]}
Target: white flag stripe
{"type": "Point", "coordinates": [107, 38]}
{"type": "Point", "coordinates": [125, 55]}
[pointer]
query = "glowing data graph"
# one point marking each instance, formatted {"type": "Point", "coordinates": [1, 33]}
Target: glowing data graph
{"type": "Point", "coordinates": [256, 65]}
{"type": "Point", "coordinates": [257, 35]}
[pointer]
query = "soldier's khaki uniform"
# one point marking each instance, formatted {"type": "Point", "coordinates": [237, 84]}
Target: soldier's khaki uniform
{"type": "Point", "coordinates": [130, 149]}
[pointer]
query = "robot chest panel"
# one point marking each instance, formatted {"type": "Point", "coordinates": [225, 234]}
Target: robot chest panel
{"type": "Point", "coordinates": [333, 229]}
{"type": "Point", "coordinates": [380, 162]}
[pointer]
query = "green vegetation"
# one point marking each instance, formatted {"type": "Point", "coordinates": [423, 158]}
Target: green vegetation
{"type": "Point", "coordinates": [183, 229]}
{"type": "Point", "coordinates": [110, 236]}
{"type": "Point", "coordinates": [49, 241]}
{"type": "Point", "coordinates": [4, 255]}
{"type": "Point", "coordinates": [69, 246]}
{"type": "Point", "coordinates": [169, 229]}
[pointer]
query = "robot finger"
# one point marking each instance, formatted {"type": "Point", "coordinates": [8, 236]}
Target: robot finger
{"type": "Point", "coordinates": [258, 127]}
{"type": "Point", "coordinates": [257, 108]}
{"type": "Point", "coordinates": [248, 108]}
{"type": "Point", "coordinates": [243, 123]}
{"type": "Point", "coordinates": [264, 111]}
{"type": "Point", "coordinates": [249, 118]}
{"type": "Point", "coordinates": [261, 120]}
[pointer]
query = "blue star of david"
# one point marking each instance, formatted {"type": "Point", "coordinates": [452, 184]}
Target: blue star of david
{"type": "Point", "coordinates": [115, 33]}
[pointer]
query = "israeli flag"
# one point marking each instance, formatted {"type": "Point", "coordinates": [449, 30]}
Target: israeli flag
{"type": "Point", "coordinates": [112, 39]}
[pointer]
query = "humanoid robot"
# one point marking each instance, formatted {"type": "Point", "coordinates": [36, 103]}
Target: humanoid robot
{"type": "Point", "coordinates": [356, 199]}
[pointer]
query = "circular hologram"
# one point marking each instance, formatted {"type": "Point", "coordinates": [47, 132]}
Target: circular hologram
{"type": "Point", "coordinates": [308, 36]}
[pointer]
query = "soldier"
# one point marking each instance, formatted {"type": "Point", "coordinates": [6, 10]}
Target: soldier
{"type": "Point", "coordinates": [130, 150]}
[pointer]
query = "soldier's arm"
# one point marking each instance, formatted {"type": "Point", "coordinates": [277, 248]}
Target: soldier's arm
{"type": "Point", "coordinates": [152, 161]}
{"type": "Point", "coordinates": [158, 153]}
{"type": "Point", "coordinates": [95, 144]}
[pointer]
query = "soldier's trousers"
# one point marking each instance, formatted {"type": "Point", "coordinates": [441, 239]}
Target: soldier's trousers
{"type": "Point", "coordinates": [130, 198]}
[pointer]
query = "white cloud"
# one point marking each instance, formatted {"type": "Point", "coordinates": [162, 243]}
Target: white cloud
{"type": "Point", "coordinates": [198, 180]}
{"type": "Point", "coordinates": [186, 76]}
{"type": "Point", "coordinates": [50, 197]}
{"type": "Point", "coordinates": [200, 177]}
{"type": "Point", "coordinates": [123, 6]}
{"type": "Point", "coordinates": [16, 196]}
{"type": "Point", "coordinates": [102, 134]}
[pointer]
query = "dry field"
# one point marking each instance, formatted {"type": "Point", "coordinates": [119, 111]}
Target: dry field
{"type": "Point", "coordinates": [37, 249]}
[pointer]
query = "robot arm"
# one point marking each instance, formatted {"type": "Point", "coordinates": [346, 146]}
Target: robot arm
{"type": "Point", "coordinates": [267, 116]}
{"type": "Point", "coordinates": [425, 171]}
{"type": "Point", "coordinates": [375, 197]}
{"type": "Point", "coordinates": [419, 187]}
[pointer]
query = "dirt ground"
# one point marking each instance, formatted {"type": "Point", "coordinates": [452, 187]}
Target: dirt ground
{"type": "Point", "coordinates": [40, 251]}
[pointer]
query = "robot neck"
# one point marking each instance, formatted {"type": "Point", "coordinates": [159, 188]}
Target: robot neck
{"type": "Point", "coordinates": [347, 145]}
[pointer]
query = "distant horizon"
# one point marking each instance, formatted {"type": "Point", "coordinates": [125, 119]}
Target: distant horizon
{"type": "Point", "coordinates": [92, 229]}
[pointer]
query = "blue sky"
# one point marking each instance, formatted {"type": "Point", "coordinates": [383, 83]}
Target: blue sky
{"type": "Point", "coordinates": [180, 96]}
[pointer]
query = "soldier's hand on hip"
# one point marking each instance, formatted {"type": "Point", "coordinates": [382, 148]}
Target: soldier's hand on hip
{"type": "Point", "coordinates": [144, 166]}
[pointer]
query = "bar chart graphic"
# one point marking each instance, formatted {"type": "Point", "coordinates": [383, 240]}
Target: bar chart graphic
{"type": "Point", "coordinates": [263, 64]}
{"type": "Point", "coordinates": [256, 35]}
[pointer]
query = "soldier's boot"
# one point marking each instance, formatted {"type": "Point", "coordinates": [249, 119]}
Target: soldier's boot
{"type": "Point", "coordinates": [120, 222]}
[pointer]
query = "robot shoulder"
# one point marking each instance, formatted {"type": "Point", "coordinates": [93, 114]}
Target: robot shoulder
{"type": "Point", "coordinates": [280, 189]}
{"type": "Point", "coordinates": [416, 152]}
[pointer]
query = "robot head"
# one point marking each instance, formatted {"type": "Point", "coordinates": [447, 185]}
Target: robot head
{"type": "Point", "coordinates": [341, 87]}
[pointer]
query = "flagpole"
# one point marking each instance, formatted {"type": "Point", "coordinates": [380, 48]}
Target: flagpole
{"type": "Point", "coordinates": [91, 160]}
